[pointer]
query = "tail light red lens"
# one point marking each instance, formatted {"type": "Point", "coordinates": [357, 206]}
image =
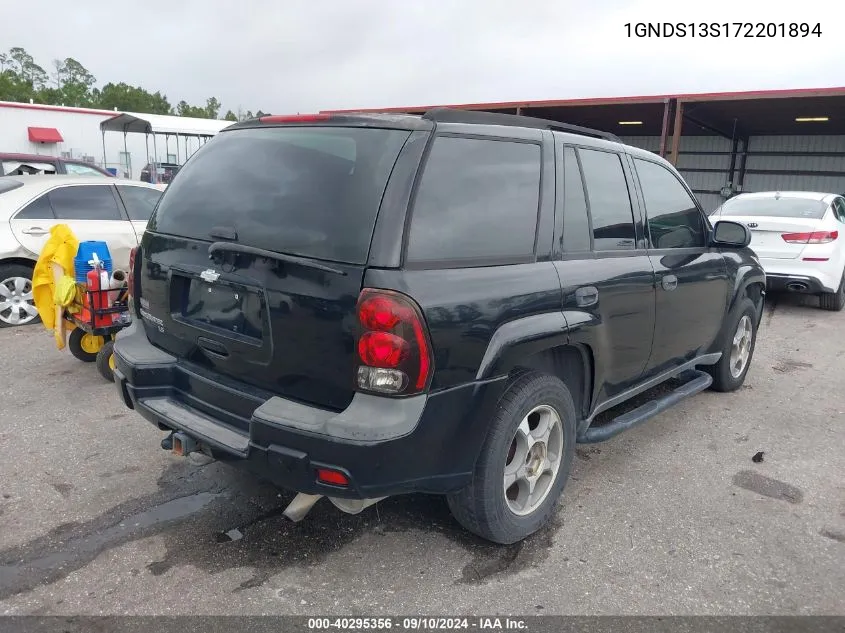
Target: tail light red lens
{"type": "Point", "coordinates": [382, 349]}
{"type": "Point", "coordinates": [332, 477]}
{"type": "Point", "coordinates": [393, 344]}
{"type": "Point", "coordinates": [816, 237]}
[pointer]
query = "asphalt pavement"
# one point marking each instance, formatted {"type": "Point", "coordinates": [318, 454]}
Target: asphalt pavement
{"type": "Point", "coordinates": [673, 517]}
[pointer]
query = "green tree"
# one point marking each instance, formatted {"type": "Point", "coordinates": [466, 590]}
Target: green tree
{"type": "Point", "coordinates": [230, 116]}
{"type": "Point", "coordinates": [77, 83]}
{"type": "Point", "coordinates": [23, 64]}
{"type": "Point", "coordinates": [134, 99]}
{"type": "Point", "coordinates": [212, 108]}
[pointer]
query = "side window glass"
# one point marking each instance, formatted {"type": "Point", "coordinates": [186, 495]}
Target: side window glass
{"type": "Point", "coordinates": [609, 201]}
{"type": "Point", "coordinates": [38, 209]}
{"type": "Point", "coordinates": [674, 220]}
{"type": "Point", "coordinates": [576, 223]}
{"type": "Point", "coordinates": [81, 170]}
{"type": "Point", "coordinates": [85, 202]}
{"type": "Point", "coordinates": [139, 201]}
{"type": "Point", "coordinates": [478, 198]}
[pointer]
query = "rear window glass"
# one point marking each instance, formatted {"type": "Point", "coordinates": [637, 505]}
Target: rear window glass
{"type": "Point", "coordinates": [774, 208]}
{"type": "Point", "coordinates": [310, 191]}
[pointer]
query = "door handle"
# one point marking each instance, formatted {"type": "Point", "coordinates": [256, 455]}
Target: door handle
{"type": "Point", "coordinates": [35, 230]}
{"type": "Point", "coordinates": [586, 296]}
{"type": "Point", "coordinates": [669, 282]}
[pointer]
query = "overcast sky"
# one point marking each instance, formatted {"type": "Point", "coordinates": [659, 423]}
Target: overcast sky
{"type": "Point", "coordinates": [286, 56]}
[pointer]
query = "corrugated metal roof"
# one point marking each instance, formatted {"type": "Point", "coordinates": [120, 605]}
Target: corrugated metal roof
{"type": "Point", "coordinates": [704, 96]}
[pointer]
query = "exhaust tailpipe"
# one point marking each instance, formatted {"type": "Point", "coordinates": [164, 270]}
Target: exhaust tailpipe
{"type": "Point", "coordinates": [797, 286]}
{"type": "Point", "coordinates": [300, 506]}
{"type": "Point", "coordinates": [302, 503]}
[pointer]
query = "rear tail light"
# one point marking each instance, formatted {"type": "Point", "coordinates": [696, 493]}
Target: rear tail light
{"type": "Point", "coordinates": [393, 346]}
{"type": "Point", "coordinates": [816, 237]}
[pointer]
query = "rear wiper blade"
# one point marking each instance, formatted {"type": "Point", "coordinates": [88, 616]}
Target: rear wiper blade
{"type": "Point", "coordinates": [228, 247]}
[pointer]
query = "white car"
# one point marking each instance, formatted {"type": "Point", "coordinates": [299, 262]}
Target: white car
{"type": "Point", "coordinates": [95, 208]}
{"type": "Point", "coordinates": [799, 237]}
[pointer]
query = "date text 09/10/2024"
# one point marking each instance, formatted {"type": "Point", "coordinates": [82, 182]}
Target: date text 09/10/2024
{"type": "Point", "coordinates": [418, 624]}
{"type": "Point", "coordinates": [723, 29]}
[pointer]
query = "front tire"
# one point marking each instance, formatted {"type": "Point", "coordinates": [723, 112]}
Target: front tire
{"type": "Point", "coordinates": [524, 462]}
{"type": "Point", "coordinates": [729, 373]}
{"type": "Point", "coordinates": [834, 301]}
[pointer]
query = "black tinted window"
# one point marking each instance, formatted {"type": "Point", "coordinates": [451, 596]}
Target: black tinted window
{"type": "Point", "coordinates": [576, 224]}
{"type": "Point", "coordinates": [139, 201]}
{"type": "Point", "coordinates": [311, 191]}
{"type": "Point", "coordinates": [477, 199]}
{"type": "Point", "coordinates": [85, 202]}
{"type": "Point", "coordinates": [674, 221]}
{"type": "Point", "coordinates": [610, 203]}
{"type": "Point", "coordinates": [38, 209]}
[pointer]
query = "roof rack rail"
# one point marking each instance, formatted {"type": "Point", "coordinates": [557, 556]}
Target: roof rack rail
{"type": "Point", "coordinates": [478, 117]}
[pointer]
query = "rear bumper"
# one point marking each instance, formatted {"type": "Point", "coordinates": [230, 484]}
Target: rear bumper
{"type": "Point", "coordinates": [385, 446]}
{"type": "Point", "coordinates": [801, 276]}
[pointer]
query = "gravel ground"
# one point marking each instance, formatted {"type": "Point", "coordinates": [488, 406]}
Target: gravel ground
{"type": "Point", "coordinates": [673, 517]}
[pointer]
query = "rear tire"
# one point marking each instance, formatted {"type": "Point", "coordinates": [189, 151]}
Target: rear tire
{"type": "Point", "coordinates": [515, 451]}
{"type": "Point", "coordinates": [105, 361]}
{"type": "Point", "coordinates": [727, 374]}
{"type": "Point", "coordinates": [85, 346]}
{"type": "Point", "coordinates": [834, 301]}
{"type": "Point", "coordinates": [16, 309]}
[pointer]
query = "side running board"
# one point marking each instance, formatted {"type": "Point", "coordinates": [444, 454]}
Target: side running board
{"type": "Point", "coordinates": [696, 381]}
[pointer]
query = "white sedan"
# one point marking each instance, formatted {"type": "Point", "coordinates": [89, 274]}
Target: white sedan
{"type": "Point", "coordinates": [799, 237]}
{"type": "Point", "coordinates": [95, 208]}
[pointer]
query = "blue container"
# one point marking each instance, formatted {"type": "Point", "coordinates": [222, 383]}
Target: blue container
{"type": "Point", "coordinates": [85, 253]}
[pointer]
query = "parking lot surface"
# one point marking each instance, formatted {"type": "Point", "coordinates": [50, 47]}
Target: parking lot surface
{"type": "Point", "coordinates": [672, 517]}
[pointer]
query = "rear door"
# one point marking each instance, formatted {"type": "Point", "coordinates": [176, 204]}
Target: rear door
{"type": "Point", "coordinates": [780, 226]}
{"type": "Point", "coordinates": [604, 269]}
{"type": "Point", "coordinates": [692, 278]}
{"type": "Point", "coordinates": [252, 263]}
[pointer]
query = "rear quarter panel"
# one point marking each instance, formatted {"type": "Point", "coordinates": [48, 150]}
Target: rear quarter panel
{"type": "Point", "coordinates": [464, 307]}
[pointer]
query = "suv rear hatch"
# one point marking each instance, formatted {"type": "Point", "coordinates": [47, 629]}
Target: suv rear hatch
{"type": "Point", "coordinates": [780, 226]}
{"type": "Point", "coordinates": [252, 264]}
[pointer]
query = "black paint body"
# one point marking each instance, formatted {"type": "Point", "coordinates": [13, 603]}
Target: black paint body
{"type": "Point", "coordinates": [295, 337]}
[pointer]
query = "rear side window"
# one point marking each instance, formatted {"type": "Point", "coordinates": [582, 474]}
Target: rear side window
{"type": "Point", "coordinates": [85, 202]}
{"type": "Point", "coordinates": [609, 200]}
{"type": "Point", "coordinates": [309, 191]}
{"type": "Point", "coordinates": [674, 220]}
{"type": "Point", "coordinates": [139, 201]}
{"type": "Point", "coordinates": [478, 199]}
{"type": "Point", "coordinates": [38, 209]}
{"type": "Point", "coordinates": [576, 223]}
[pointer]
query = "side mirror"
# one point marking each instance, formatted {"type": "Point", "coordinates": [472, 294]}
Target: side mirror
{"type": "Point", "coordinates": [732, 234]}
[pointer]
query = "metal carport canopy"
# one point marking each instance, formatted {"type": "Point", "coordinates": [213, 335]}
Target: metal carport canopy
{"type": "Point", "coordinates": [133, 122]}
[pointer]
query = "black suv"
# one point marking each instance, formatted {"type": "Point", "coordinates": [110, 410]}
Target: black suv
{"type": "Point", "coordinates": [359, 306]}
